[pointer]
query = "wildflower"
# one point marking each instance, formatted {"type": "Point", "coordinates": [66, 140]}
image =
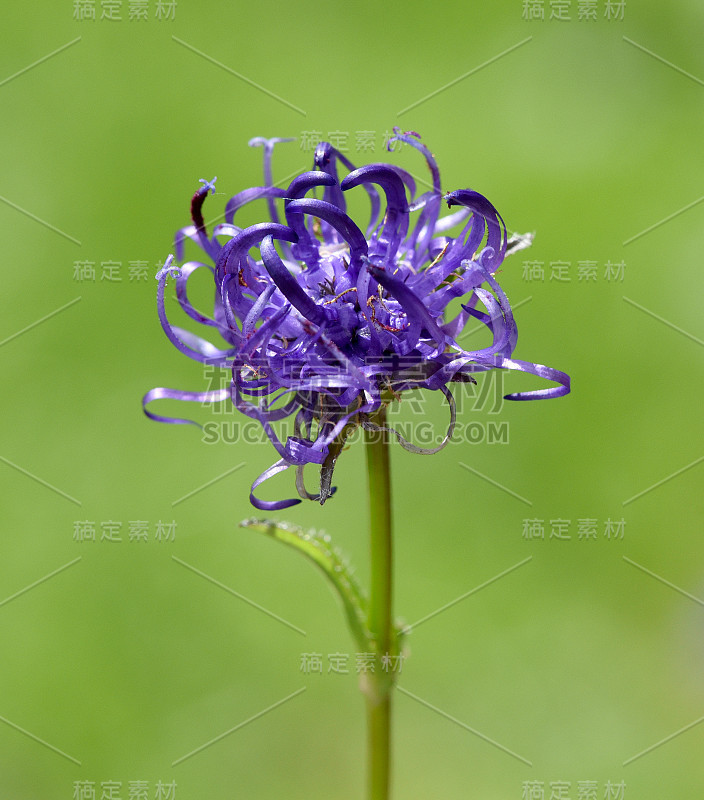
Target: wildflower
{"type": "Point", "coordinates": [331, 322]}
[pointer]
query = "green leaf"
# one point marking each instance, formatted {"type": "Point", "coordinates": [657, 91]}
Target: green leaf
{"type": "Point", "coordinates": [317, 547]}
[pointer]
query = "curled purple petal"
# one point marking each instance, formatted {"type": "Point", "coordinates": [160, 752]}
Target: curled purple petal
{"type": "Point", "coordinates": [182, 294]}
{"type": "Point", "coordinates": [271, 505]}
{"type": "Point", "coordinates": [288, 285]}
{"type": "Point", "coordinates": [306, 249]}
{"type": "Point", "coordinates": [412, 138]}
{"type": "Point", "coordinates": [188, 343]}
{"type": "Point", "coordinates": [396, 218]}
{"type": "Point", "coordinates": [481, 207]}
{"type": "Point", "coordinates": [335, 218]}
{"type": "Point", "coordinates": [249, 196]}
{"type": "Point", "coordinates": [255, 312]}
{"type": "Point", "coordinates": [326, 158]}
{"type": "Point", "coordinates": [550, 374]}
{"type": "Point", "coordinates": [233, 253]}
{"type": "Point", "coordinates": [161, 393]}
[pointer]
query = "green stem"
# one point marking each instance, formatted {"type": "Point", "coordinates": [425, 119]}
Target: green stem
{"type": "Point", "coordinates": [379, 686]}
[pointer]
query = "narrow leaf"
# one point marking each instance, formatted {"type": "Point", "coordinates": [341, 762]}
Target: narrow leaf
{"type": "Point", "coordinates": [317, 547]}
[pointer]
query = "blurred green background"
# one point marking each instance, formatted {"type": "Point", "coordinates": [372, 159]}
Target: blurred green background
{"type": "Point", "coordinates": [119, 659]}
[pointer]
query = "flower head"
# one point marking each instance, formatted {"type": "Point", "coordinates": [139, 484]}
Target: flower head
{"type": "Point", "coordinates": [329, 322]}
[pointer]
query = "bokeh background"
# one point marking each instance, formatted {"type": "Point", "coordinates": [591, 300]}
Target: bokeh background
{"type": "Point", "coordinates": [120, 655]}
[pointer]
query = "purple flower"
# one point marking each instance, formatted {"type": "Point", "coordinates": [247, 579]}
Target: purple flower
{"type": "Point", "coordinates": [329, 322]}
